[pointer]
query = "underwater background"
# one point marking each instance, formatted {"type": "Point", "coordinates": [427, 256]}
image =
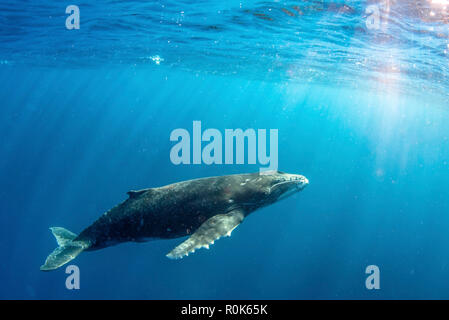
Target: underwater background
{"type": "Point", "coordinates": [362, 112]}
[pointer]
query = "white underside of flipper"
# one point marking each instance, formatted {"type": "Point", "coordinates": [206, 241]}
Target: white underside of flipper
{"type": "Point", "coordinates": [211, 230]}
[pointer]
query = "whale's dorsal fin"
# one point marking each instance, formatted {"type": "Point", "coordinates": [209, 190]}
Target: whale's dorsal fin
{"type": "Point", "coordinates": [212, 229]}
{"type": "Point", "coordinates": [135, 193]}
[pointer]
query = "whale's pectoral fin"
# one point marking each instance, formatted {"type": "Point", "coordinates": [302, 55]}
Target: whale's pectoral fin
{"type": "Point", "coordinates": [212, 229]}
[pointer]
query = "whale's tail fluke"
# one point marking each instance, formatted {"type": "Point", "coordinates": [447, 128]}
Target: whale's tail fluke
{"type": "Point", "coordinates": [67, 250]}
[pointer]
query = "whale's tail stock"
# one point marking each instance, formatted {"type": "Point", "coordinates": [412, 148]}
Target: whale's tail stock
{"type": "Point", "coordinates": [67, 250]}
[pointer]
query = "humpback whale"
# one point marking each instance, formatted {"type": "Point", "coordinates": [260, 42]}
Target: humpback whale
{"type": "Point", "coordinates": [203, 209]}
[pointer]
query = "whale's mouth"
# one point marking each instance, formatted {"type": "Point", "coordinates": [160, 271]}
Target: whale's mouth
{"type": "Point", "coordinates": [304, 183]}
{"type": "Point", "coordinates": [294, 182]}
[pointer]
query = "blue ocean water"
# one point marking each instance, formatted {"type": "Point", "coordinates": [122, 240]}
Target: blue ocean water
{"type": "Point", "coordinates": [362, 112]}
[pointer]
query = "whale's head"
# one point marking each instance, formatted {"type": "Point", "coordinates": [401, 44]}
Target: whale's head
{"type": "Point", "coordinates": [281, 185]}
{"type": "Point", "coordinates": [268, 187]}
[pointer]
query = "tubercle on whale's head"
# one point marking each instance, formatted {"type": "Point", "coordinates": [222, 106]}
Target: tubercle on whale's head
{"type": "Point", "coordinates": [280, 185]}
{"type": "Point", "coordinates": [261, 189]}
